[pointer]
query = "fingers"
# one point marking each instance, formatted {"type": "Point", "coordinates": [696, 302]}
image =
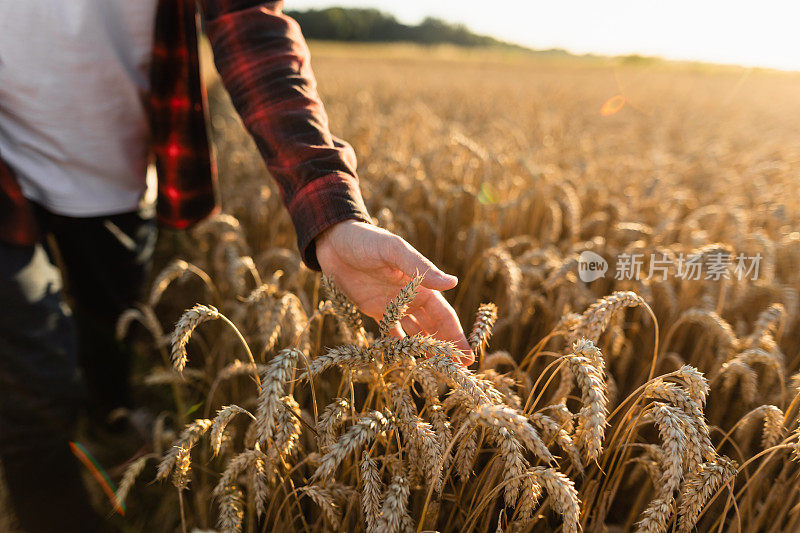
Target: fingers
{"type": "Point", "coordinates": [411, 326]}
{"type": "Point", "coordinates": [411, 262]}
{"type": "Point", "coordinates": [397, 331]}
{"type": "Point", "coordinates": [437, 317]}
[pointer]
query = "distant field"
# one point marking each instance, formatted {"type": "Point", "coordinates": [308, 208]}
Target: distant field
{"type": "Point", "coordinates": [452, 52]}
{"type": "Point", "coordinates": [679, 121]}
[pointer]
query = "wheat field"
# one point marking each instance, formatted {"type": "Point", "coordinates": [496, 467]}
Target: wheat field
{"type": "Point", "coordinates": [653, 404]}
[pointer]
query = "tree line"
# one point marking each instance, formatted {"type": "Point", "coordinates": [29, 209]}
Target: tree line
{"type": "Point", "coordinates": [372, 25]}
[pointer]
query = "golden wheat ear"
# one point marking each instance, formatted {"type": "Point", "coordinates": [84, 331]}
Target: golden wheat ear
{"type": "Point", "coordinates": [397, 307]}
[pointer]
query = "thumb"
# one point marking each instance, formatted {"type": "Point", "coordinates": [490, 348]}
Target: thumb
{"type": "Point", "coordinates": [412, 263]}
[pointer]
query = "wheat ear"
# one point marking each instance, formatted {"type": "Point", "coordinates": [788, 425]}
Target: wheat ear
{"type": "Point", "coordinates": [331, 419]}
{"type": "Point", "coordinates": [394, 512]}
{"type": "Point", "coordinates": [188, 438]}
{"type": "Point", "coordinates": [367, 428]}
{"type": "Point", "coordinates": [482, 329]}
{"type": "Point", "coordinates": [345, 310]}
{"type": "Point", "coordinates": [190, 319]}
{"type": "Point", "coordinates": [273, 384]}
{"type": "Point", "coordinates": [224, 416]}
{"type": "Point", "coordinates": [371, 493]}
{"type": "Point", "coordinates": [592, 416]}
{"type": "Point", "coordinates": [396, 309]}
{"type": "Point", "coordinates": [699, 488]}
{"type": "Point", "coordinates": [129, 478]}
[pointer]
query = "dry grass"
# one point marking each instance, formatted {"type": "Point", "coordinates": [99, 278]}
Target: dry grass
{"type": "Point", "coordinates": [605, 406]}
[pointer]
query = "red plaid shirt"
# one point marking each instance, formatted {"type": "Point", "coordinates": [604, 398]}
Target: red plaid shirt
{"type": "Point", "coordinates": [264, 63]}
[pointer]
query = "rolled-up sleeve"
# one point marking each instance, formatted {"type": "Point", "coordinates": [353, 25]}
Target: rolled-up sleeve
{"type": "Point", "coordinates": [264, 63]}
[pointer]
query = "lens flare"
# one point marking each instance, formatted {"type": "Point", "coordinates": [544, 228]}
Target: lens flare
{"type": "Point", "coordinates": [612, 105]}
{"type": "Point", "coordinates": [487, 194]}
{"type": "Point", "coordinates": [94, 468]}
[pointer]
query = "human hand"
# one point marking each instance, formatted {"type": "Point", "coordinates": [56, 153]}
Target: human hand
{"type": "Point", "coordinates": [370, 265]}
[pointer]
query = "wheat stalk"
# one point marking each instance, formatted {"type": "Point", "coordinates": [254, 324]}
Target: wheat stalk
{"type": "Point", "coordinates": [501, 416]}
{"type": "Point", "coordinates": [592, 416]}
{"type": "Point", "coordinates": [563, 495]}
{"type": "Point", "coordinates": [482, 329]}
{"type": "Point", "coordinates": [129, 478]}
{"type": "Point", "coordinates": [331, 419]}
{"type": "Point", "coordinates": [365, 429]}
{"type": "Point", "coordinates": [699, 488]}
{"type": "Point", "coordinates": [323, 498]}
{"type": "Point", "coordinates": [346, 356]}
{"type": "Point", "coordinates": [346, 311]}
{"type": "Point", "coordinates": [190, 319]}
{"type": "Point", "coordinates": [396, 309]}
{"type": "Point", "coordinates": [188, 438]}
{"type": "Point", "coordinates": [223, 418]}
{"type": "Point", "coordinates": [421, 437]}
{"type": "Point", "coordinates": [596, 318]}
{"type": "Point", "coordinates": [288, 428]}
{"type": "Point", "coordinates": [273, 384]}
{"type": "Point", "coordinates": [371, 492]}
{"type": "Point", "coordinates": [394, 513]}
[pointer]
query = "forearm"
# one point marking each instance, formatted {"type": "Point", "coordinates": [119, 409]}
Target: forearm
{"type": "Point", "coordinates": [264, 63]}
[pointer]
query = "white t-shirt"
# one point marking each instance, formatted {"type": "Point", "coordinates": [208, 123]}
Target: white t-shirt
{"type": "Point", "coordinates": [73, 86]}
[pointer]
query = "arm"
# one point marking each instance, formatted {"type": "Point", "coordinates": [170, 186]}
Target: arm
{"type": "Point", "coordinates": [264, 63]}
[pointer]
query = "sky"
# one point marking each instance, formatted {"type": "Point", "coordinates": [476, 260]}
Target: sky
{"type": "Point", "coordinates": [763, 33]}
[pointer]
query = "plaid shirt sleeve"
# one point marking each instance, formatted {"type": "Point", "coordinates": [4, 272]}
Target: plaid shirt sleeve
{"type": "Point", "coordinates": [264, 63]}
{"type": "Point", "coordinates": [17, 222]}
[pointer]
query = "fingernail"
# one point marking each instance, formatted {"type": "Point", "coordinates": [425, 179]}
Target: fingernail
{"type": "Point", "coordinates": [449, 277]}
{"type": "Point", "coordinates": [467, 357]}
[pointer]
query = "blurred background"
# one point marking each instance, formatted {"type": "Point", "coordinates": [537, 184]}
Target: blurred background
{"type": "Point", "coordinates": [742, 33]}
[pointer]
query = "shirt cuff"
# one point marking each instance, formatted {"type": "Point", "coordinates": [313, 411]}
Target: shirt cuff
{"type": "Point", "coordinates": [319, 205]}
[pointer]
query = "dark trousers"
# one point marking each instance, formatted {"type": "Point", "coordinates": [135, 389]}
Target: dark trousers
{"type": "Point", "coordinates": [59, 355]}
